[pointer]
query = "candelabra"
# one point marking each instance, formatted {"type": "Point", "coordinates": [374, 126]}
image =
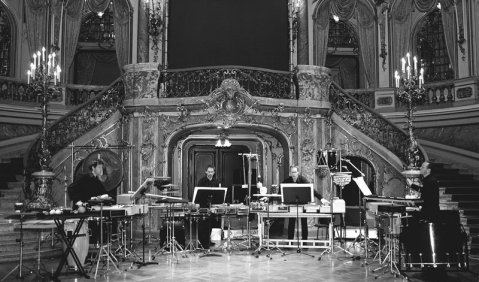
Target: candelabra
{"type": "Point", "coordinates": [43, 78]}
{"type": "Point", "coordinates": [410, 90]}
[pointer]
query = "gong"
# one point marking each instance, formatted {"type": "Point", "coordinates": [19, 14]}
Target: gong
{"type": "Point", "coordinates": [112, 167]}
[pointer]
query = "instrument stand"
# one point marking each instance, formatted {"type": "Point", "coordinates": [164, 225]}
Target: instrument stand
{"type": "Point", "coordinates": [142, 262]}
{"type": "Point", "coordinates": [229, 245]}
{"type": "Point", "coordinates": [267, 226]}
{"type": "Point", "coordinates": [123, 242]}
{"type": "Point", "coordinates": [105, 250]}
{"type": "Point", "coordinates": [298, 250]}
{"type": "Point", "coordinates": [341, 181]}
{"type": "Point", "coordinates": [20, 265]}
{"type": "Point", "coordinates": [389, 263]}
{"type": "Point", "coordinates": [249, 156]}
{"type": "Point", "coordinates": [172, 246]}
{"type": "Point", "coordinates": [194, 245]}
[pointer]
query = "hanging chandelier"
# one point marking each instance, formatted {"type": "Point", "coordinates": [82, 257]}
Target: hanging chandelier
{"type": "Point", "coordinates": [223, 140]}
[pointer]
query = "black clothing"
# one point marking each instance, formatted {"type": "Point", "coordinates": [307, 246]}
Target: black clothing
{"type": "Point", "coordinates": [429, 194]}
{"type": "Point", "coordinates": [205, 226]}
{"type": "Point", "coordinates": [205, 182]}
{"type": "Point", "coordinates": [85, 187]}
{"type": "Point", "coordinates": [304, 221]}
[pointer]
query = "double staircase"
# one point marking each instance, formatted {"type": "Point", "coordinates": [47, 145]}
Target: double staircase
{"type": "Point", "coordinates": [460, 191]}
{"type": "Point", "coordinates": [11, 191]}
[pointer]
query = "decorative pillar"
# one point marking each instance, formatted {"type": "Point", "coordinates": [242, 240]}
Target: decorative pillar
{"type": "Point", "coordinates": [314, 82]}
{"type": "Point", "coordinates": [143, 37]}
{"type": "Point", "coordinates": [141, 81]}
{"type": "Point", "coordinates": [303, 43]}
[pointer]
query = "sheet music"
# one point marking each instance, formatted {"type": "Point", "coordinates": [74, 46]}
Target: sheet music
{"type": "Point", "coordinates": [362, 186]}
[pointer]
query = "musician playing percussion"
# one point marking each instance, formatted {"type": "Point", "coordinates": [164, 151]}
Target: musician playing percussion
{"type": "Point", "coordinates": [295, 177]}
{"type": "Point", "coordinates": [90, 184]}
{"type": "Point", "coordinates": [204, 228]}
{"type": "Point", "coordinates": [429, 189]}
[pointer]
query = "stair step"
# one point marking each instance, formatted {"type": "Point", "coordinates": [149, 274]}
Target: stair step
{"type": "Point", "coordinates": [469, 198]}
{"type": "Point", "coordinates": [458, 182]}
{"type": "Point", "coordinates": [456, 190]}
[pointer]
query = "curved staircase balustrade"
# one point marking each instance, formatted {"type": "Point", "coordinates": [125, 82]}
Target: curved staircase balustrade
{"type": "Point", "coordinates": [74, 124]}
{"type": "Point", "coordinates": [192, 82]}
{"type": "Point", "coordinates": [371, 123]}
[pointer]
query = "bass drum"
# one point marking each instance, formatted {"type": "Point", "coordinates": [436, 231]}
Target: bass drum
{"type": "Point", "coordinates": [434, 244]}
{"type": "Point", "coordinates": [81, 244]}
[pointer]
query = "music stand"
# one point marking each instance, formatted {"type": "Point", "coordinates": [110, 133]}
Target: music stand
{"type": "Point", "coordinates": [140, 194]}
{"type": "Point", "coordinates": [207, 196]}
{"type": "Point", "coordinates": [297, 194]}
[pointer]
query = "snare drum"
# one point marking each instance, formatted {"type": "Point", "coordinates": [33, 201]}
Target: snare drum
{"type": "Point", "coordinates": [81, 244]}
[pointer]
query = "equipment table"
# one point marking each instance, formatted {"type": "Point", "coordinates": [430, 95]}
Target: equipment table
{"type": "Point", "coordinates": [286, 243]}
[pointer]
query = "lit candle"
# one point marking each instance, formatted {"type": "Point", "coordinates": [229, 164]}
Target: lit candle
{"type": "Point", "coordinates": [32, 67]}
{"type": "Point", "coordinates": [396, 75]}
{"type": "Point", "coordinates": [49, 66]}
{"type": "Point", "coordinates": [53, 59]}
{"type": "Point", "coordinates": [403, 65]}
{"type": "Point", "coordinates": [420, 81]}
{"type": "Point", "coordinates": [408, 70]}
{"type": "Point", "coordinates": [29, 73]}
{"type": "Point", "coordinates": [43, 53]}
{"type": "Point", "coordinates": [415, 64]}
{"type": "Point", "coordinates": [58, 72]}
{"type": "Point", "coordinates": [39, 56]}
{"type": "Point", "coordinates": [408, 59]}
{"type": "Point", "coordinates": [35, 58]}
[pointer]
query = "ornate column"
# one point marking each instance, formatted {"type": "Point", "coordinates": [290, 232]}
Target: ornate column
{"type": "Point", "coordinates": [314, 82]}
{"type": "Point", "coordinates": [302, 29]}
{"type": "Point", "coordinates": [143, 36]}
{"type": "Point", "coordinates": [141, 81]}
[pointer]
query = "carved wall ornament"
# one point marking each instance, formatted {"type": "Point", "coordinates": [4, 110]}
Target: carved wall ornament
{"type": "Point", "coordinates": [228, 103]}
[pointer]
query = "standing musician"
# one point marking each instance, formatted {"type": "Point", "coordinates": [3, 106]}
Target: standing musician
{"type": "Point", "coordinates": [429, 190]}
{"type": "Point", "coordinates": [204, 228]}
{"type": "Point", "coordinates": [295, 177]}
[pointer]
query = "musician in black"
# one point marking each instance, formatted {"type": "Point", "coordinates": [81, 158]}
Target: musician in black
{"type": "Point", "coordinates": [429, 189]}
{"type": "Point", "coordinates": [295, 177]}
{"type": "Point", "coordinates": [204, 227]}
{"type": "Point", "coordinates": [90, 184]}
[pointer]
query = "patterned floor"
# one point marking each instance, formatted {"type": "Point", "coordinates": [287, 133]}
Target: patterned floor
{"type": "Point", "coordinates": [242, 266]}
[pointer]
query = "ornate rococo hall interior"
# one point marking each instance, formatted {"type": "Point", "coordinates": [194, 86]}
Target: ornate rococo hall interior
{"type": "Point", "coordinates": [157, 84]}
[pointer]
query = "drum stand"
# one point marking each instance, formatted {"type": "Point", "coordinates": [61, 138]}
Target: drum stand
{"type": "Point", "coordinates": [123, 249]}
{"type": "Point", "coordinates": [193, 245]}
{"type": "Point", "coordinates": [171, 246]}
{"type": "Point", "coordinates": [105, 250]}
{"type": "Point", "coordinates": [20, 260]}
{"type": "Point", "coordinates": [389, 260]}
{"type": "Point", "coordinates": [229, 245]}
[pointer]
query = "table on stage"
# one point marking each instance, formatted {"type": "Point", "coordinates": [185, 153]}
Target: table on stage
{"type": "Point", "coordinates": [68, 240]}
{"type": "Point", "coordinates": [293, 243]}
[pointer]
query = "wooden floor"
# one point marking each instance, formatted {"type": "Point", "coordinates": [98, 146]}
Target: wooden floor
{"type": "Point", "coordinates": [243, 266]}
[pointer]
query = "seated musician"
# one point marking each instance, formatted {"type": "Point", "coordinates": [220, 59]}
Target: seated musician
{"type": "Point", "coordinates": [205, 227]}
{"type": "Point", "coordinates": [429, 189]}
{"type": "Point", "coordinates": [295, 177]}
{"type": "Point", "coordinates": [90, 184]}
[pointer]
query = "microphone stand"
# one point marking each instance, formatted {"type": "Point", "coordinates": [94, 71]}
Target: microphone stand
{"type": "Point", "coordinates": [142, 262]}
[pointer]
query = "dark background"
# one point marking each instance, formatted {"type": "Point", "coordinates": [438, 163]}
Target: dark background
{"type": "Point", "coordinates": [228, 32]}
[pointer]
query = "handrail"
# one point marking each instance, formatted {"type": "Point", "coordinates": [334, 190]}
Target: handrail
{"type": "Point", "coordinates": [74, 124]}
{"type": "Point", "coordinates": [371, 123]}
